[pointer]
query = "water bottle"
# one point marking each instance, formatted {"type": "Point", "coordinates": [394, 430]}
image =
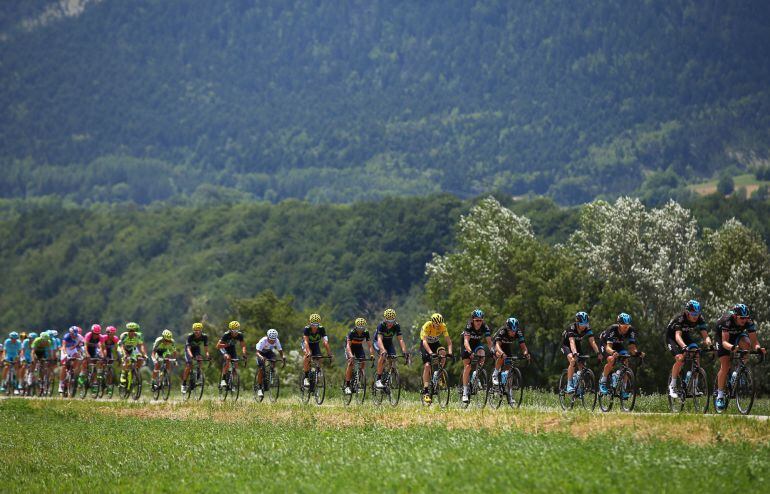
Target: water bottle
{"type": "Point", "coordinates": [435, 377]}
{"type": "Point", "coordinates": [577, 375]}
{"type": "Point", "coordinates": [687, 377]}
{"type": "Point", "coordinates": [503, 377]}
{"type": "Point", "coordinates": [615, 378]}
{"type": "Point", "coordinates": [733, 377]}
{"type": "Point", "coordinates": [473, 376]}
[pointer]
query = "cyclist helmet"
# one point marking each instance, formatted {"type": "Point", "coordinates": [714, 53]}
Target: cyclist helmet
{"type": "Point", "coordinates": [96, 329]}
{"type": "Point", "coordinates": [73, 330]}
{"type": "Point", "coordinates": [512, 323]}
{"type": "Point", "coordinates": [390, 315]}
{"type": "Point", "coordinates": [166, 334]}
{"type": "Point", "coordinates": [741, 310]}
{"type": "Point", "coordinates": [111, 329]}
{"type": "Point", "coordinates": [132, 326]}
{"type": "Point", "coordinates": [477, 314]}
{"type": "Point", "coordinates": [314, 319]}
{"type": "Point", "coordinates": [234, 325]}
{"type": "Point", "coordinates": [53, 333]}
{"type": "Point", "coordinates": [693, 307]}
{"type": "Point", "coordinates": [46, 336]}
{"type": "Point", "coordinates": [581, 318]}
{"type": "Point", "coordinates": [360, 323]}
{"type": "Point", "coordinates": [32, 336]}
{"type": "Point", "coordinates": [272, 334]}
{"type": "Point", "coordinates": [624, 318]}
{"type": "Point", "coordinates": [437, 318]}
{"type": "Point", "coordinates": [14, 335]}
{"type": "Point", "coordinates": [23, 335]}
{"type": "Point", "coordinates": [197, 326]}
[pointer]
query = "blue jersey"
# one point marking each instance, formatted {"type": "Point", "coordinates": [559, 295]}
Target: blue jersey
{"type": "Point", "coordinates": [12, 349]}
{"type": "Point", "coordinates": [26, 348]}
{"type": "Point", "coordinates": [55, 343]}
{"type": "Point", "coordinates": [69, 341]}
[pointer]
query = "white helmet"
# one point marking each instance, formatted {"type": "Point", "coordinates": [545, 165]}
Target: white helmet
{"type": "Point", "coordinates": [272, 334]}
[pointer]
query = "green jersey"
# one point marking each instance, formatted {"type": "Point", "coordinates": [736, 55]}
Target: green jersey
{"type": "Point", "coordinates": [131, 342]}
{"type": "Point", "coordinates": [162, 345]}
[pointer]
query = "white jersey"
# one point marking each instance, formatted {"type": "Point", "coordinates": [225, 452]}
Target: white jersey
{"type": "Point", "coordinates": [265, 346]}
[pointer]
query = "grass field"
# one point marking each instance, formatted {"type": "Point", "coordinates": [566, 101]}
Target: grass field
{"type": "Point", "coordinates": [747, 180]}
{"type": "Point", "coordinates": [74, 446]}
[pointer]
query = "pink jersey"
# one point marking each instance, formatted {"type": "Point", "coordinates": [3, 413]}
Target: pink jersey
{"type": "Point", "coordinates": [92, 339]}
{"type": "Point", "coordinates": [109, 341]}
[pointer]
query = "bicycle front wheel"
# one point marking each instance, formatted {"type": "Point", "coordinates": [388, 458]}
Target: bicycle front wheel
{"type": "Point", "coordinates": [744, 391]}
{"type": "Point", "coordinates": [137, 384]}
{"type": "Point", "coordinates": [257, 386]}
{"type": "Point", "coordinates": [586, 389]}
{"type": "Point", "coordinates": [676, 405]}
{"type": "Point", "coordinates": [628, 390]}
{"type": "Point", "coordinates": [165, 382]}
{"type": "Point", "coordinates": [442, 388]}
{"type": "Point", "coordinates": [304, 392]}
{"type": "Point", "coordinates": [699, 390]}
{"type": "Point", "coordinates": [481, 390]}
{"type": "Point", "coordinates": [275, 385]}
{"type": "Point", "coordinates": [566, 401]}
{"type": "Point", "coordinates": [361, 388]}
{"type": "Point", "coordinates": [514, 388]}
{"type": "Point", "coordinates": [200, 382]}
{"type": "Point", "coordinates": [394, 387]}
{"type": "Point", "coordinates": [319, 393]}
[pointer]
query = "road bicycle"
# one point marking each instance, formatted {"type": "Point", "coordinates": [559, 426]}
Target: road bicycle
{"type": "Point", "coordinates": [232, 380]}
{"type": "Point", "coordinates": [438, 386]}
{"type": "Point", "coordinates": [196, 380]}
{"type": "Point", "coordinates": [357, 382]}
{"type": "Point", "coordinates": [162, 385]}
{"type": "Point", "coordinates": [271, 382]}
{"type": "Point", "coordinates": [585, 386]}
{"type": "Point", "coordinates": [478, 387]}
{"type": "Point", "coordinates": [511, 386]}
{"type": "Point", "coordinates": [692, 384]}
{"type": "Point", "coordinates": [131, 379]}
{"type": "Point", "coordinates": [316, 381]}
{"type": "Point", "coordinates": [740, 382]}
{"type": "Point", "coordinates": [621, 385]}
{"type": "Point", "coordinates": [390, 380]}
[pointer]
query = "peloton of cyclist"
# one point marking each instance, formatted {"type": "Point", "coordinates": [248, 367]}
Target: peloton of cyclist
{"type": "Point", "coordinates": [192, 350]}
{"type": "Point", "coordinates": [430, 335]}
{"type": "Point", "coordinates": [226, 345]}
{"type": "Point", "coordinates": [734, 329]}
{"type": "Point", "coordinates": [383, 342]}
{"type": "Point", "coordinates": [354, 349]}
{"type": "Point", "coordinates": [570, 345]}
{"type": "Point", "coordinates": [505, 336]}
{"type": "Point", "coordinates": [312, 336]}
{"type": "Point", "coordinates": [475, 331]}
{"type": "Point", "coordinates": [611, 344]}
{"type": "Point", "coordinates": [679, 337]}
{"type": "Point", "coordinates": [265, 347]}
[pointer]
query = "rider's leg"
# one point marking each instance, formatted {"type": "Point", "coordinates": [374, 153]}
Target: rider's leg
{"type": "Point", "coordinates": [678, 363]}
{"type": "Point", "coordinates": [608, 367]}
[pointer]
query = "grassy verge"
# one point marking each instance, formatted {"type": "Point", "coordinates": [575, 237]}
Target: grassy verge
{"type": "Point", "coordinates": [60, 445]}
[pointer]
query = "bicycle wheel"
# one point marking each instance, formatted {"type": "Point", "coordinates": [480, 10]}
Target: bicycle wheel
{"type": "Point", "coordinates": [165, 383]}
{"type": "Point", "coordinates": [744, 391]}
{"type": "Point", "coordinates": [108, 385]}
{"type": "Point", "coordinates": [200, 382]}
{"type": "Point", "coordinates": [627, 390]}
{"type": "Point", "coordinates": [587, 392]}
{"type": "Point", "coordinates": [347, 398]}
{"type": "Point", "coordinates": [393, 386]}
{"type": "Point", "coordinates": [699, 390]}
{"type": "Point", "coordinates": [304, 393]}
{"type": "Point", "coordinates": [156, 388]}
{"type": "Point", "coordinates": [605, 400]}
{"type": "Point", "coordinates": [73, 385]}
{"type": "Point", "coordinates": [481, 390]}
{"type": "Point", "coordinates": [379, 394]}
{"type": "Point", "coordinates": [124, 386]}
{"type": "Point", "coordinates": [319, 393]}
{"type": "Point", "coordinates": [442, 388]}
{"type": "Point", "coordinates": [275, 386]}
{"type": "Point", "coordinates": [361, 388]}
{"type": "Point", "coordinates": [676, 405]}
{"type": "Point", "coordinates": [514, 388]}
{"type": "Point", "coordinates": [256, 387]}
{"type": "Point", "coordinates": [567, 401]}
{"type": "Point", "coordinates": [136, 384]}
{"type": "Point", "coordinates": [189, 386]}
{"type": "Point", "coordinates": [224, 390]}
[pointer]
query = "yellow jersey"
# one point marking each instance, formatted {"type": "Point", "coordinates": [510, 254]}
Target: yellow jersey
{"type": "Point", "coordinates": [432, 334]}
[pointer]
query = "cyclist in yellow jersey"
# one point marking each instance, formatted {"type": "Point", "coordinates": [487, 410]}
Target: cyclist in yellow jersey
{"type": "Point", "coordinates": [430, 341]}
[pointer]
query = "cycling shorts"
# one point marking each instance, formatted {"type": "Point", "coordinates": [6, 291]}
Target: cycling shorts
{"type": "Point", "coordinates": [389, 347]}
{"type": "Point", "coordinates": [424, 353]}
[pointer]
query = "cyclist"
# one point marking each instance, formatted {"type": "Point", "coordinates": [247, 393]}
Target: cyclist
{"type": "Point", "coordinates": [226, 345]}
{"type": "Point", "coordinates": [612, 340]}
{"type": "Point", "coordinates": [41, 350]}
{"type": "Point", "coordinates": [71, 348]}
{"type": "Point", "coordinates": [130, 347]}
{"type": "Point", "coordinates": [504, 338]}
{"type": "Point", "coordinates": [93, 346]}
{"type": "Point", "coordinates": [383, 342]}
{"type": "Point", "coordinates": [430, 334]}
{"type": "Point", "coordinates": [26, 356]}
{"type": "Point", "coordinates": [312, 336]}
{"type": "Point", "coordinates": [11, 351]}
{"type": "Point", "coordinates": [475, 331]}
{"type": "Point", "coordinates": [265, 347]}
{"type": "Point", "coordinates": [354, 348]}
{"type": "Point", "coordinates": [679, 338]}
{"type": "Point", "coordinates": [163, 346]}
{"type": "Point", "coordinates": [192, 350]}
{"type": "Point", "coordinates": [109, 348]}
{"type": "Point", "coordinates": [570, 345]}
{"type": "Point", "coordinates": [733, 330]}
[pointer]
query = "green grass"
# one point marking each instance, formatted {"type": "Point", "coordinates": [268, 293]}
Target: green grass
{"type": "Point", "coordinates": [67, 446]}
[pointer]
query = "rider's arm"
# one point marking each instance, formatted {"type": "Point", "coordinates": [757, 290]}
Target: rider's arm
{"type": "Point", "coordinates": [306, 346]}
{"type": "Point", "coordinates": [572, 345]}
{"type": "Point", "coordinates": [426, 346]}
{"type": "Point", "coordinates": [524, 349]}
{"type": "Point", "coordinates": [679, 340]}
{"type": "Point", "coordinates": [592, 341]}
{"type": "Point", "coordinates": [381, 345]}
{"type": "Point", "coordinates": [705, 335]}
{"type": "Point", "coordinates": [726, 340]}
{"type": "Point", "coordinates": [632, 347]}
{"type": "Point", "coordinates": [326, 345]}
{"type": "Point", "coordinates": [403, 345]}
{"type": "Point", "coordinates": [489, 343]}
{"type": "Point", "coordinates": [466, 344]}
{"type": "Point", "coordinates": [448, 343]}
{"type": "Point", "coordinates": [371, 348]}
{"type": "Point", "coordinates": [754, 341]}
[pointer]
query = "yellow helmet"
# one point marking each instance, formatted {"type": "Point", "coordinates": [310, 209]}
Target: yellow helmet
{"type": "Point", "coordinates": [360, 322]}
{"type": "Point", "coordinates": [197, 326]}
{"type": "Point", "coordinates": [234, 325]}
{"type": "Point", "coordinates": [389, 314]}
{"type": "Point", "coordinates": [166, 334]}
{"type": "Point", "coordinates": [437, 318]}
{"type": "Point", "coordinates": [315, 319]}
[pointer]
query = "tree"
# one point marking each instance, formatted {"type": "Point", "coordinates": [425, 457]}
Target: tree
{"type": "Point", "coordinates": [726, 185]}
